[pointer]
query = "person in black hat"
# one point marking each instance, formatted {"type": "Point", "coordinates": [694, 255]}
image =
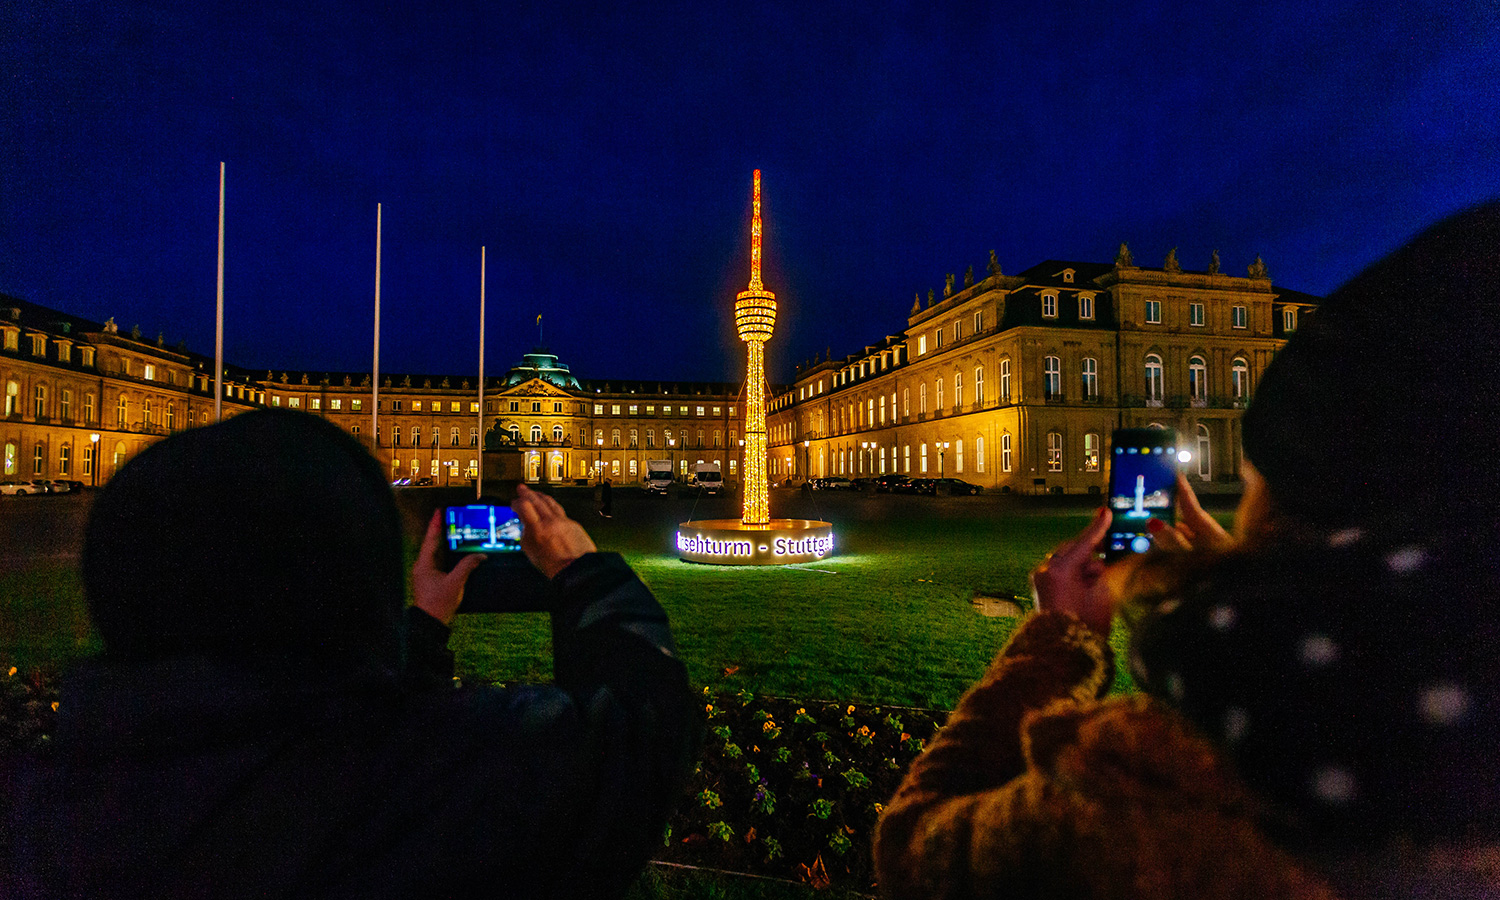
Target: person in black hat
{"type": "Point", "coordinates": [1322, 688]}
{"type": "Point", "coordinates": [267, 720]}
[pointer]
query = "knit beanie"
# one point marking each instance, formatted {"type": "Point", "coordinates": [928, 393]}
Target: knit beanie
{"type": "Point", "coordinates": [1385, 405]}
{"type": "Point", "coordinates": [272, 533]}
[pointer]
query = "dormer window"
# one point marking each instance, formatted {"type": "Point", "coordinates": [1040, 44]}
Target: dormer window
{"type": "Point", "coordinates": [38, 345]}
{"type": "Point", "coordinates": [1086, 306]}
{"type": "Point", "coordinates": [1067, 275]}
{"type": "Point", "coordinates": [1289, 319]}
{"type": "Point", "coordinates": [1049, 306]}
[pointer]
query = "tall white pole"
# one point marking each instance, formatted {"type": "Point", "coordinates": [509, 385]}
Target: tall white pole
{"type": "Point", "coordinates": [219, 313]}
{"type": "Point", "coordinates": [375, 364]}
{"type": "Point", "coordinates": [479, 476]}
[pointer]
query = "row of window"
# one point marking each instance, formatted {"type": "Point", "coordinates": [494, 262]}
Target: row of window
{"type": "Point", "coordinates": [615, 409]}
{"type": "Point", "coordinates": [64, 458]}
{"type": "Point", "coordinates": [152, 414]}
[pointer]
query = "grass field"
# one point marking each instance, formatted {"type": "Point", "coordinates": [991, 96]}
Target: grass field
{"type": "Point", "coordinates": [888, 618]}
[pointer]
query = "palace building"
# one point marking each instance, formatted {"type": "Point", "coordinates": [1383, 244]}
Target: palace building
{"type": "Point", "coordinates": [1015, 382]}
{"type": "Point", "coordinates": [1011, 382]}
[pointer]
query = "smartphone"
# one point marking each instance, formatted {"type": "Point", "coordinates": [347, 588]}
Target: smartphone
{"type": "Point", "coordinates": [1142, 487]}
{"type": "Point", "coordinates": [506, 581]}
{"type": "Point", "coordinates": [481, 528]}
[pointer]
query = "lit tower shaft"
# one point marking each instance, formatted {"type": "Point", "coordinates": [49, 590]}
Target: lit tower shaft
{"type": "Point", "coordinates": [755, 319]}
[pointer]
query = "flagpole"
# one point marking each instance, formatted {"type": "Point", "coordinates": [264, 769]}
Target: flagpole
{"type": "Point", "coordinates": [375, 363]}
{"type": "Point", "coordinates": [479, 476]}
{"type": "Point", "coordinates": [219, 313]}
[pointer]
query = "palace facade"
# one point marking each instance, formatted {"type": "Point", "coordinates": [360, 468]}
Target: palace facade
{"type": "Point", "coordinates": [1013, 383]}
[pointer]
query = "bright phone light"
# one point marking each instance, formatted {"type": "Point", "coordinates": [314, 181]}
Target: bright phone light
{"type": "Point", "coordinates": [1184, 456]}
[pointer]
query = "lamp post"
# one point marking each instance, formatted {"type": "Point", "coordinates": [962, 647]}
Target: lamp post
{"type": "Point", "coordinates": [806, 459]}
{"type": "Point", "coordinates": [941, 446]}
{"type": "Point", "coordinates": [599, 460]}
{"type": "Point", "coordinates": [94, 457]}
{"type": "Point", "coordinates": [671, 455]}
{"type": "Point", "coordinates": [864, 450]}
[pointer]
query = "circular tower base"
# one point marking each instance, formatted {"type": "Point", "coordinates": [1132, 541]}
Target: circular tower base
{"type": "Point", "coordinates": [730, 542]}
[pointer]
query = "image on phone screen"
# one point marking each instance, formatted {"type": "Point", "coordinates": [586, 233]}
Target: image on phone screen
{"type": "Point", "coordinates": [1142, 487]}
{"type": "Point", "coordinates": [482, 528]}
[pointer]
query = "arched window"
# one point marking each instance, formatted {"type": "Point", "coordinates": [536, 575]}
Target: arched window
{"type": "Point", "coordinates": [882, 409]}
{"type": "Point", "coordinates": [979, 454]}
{"type": "Point", "coordinates": [1005, 452]}
{"type": "Point", "coordinates": [1005, 381]}
{"type": "Point", "coordinates": [614, 437]}
{"type": "Point", "coordinates": [1090, 373]}
{"type": "Point", "coordinates": [1054, 452]}
{"type": "Point", "coordinates": [38, 458]}
{"type": "Point", "coordinates": [1239, 375]}
{"type": "Point", "coordinates": [1051, 378]}
{"type": "Point", "coordinates": [1153, 380]}
{"type": "Point", "coordinates": [939, 396]}
{"type": "Point", "coordinates": [171, 416]}
{"type": "Point", "coordinates": [922, 398]}
{"type": "Point", "coordinates": [650, 438]}
{"type": "Point", "coordinates": [958, 455]}
{"type": "Point", "coordinates": [906, 457]}
{"type": "Point", "coordinates": [1198, 381]}
{"type": "Point", "coordinates": [40, 393]}
{"type": "Point", "coordinates": [958, 390]}
{"type": "Point", "coordinates": [906, 402]}
{"type": "Point", "coordinates": [718, 437]}
{"type": "Point", "coordinates": [1091, 452]}
{"type": "Point", "coordinates": [122, 412]}
{"type": "Point", "coordinates": [536, 434]}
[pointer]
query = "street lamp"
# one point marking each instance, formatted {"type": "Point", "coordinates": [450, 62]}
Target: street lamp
{"type": "Point", "coordinates": [864, 448]}
{"type": "Point", "coordinates": [941, 446]}
{"type": "Point", "coordinates": [599, 460]}
{"type": "Point", "coordinates": [94, 457]}
{"type": "Point", "coordinates": [806, 459]}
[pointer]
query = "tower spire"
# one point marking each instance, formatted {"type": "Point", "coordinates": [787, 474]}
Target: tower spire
{"type": "Point", "coordinates": [755, 282]}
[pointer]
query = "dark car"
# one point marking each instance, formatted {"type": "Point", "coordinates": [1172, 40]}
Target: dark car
{"type": "Point", "coordinates": [860, 484]}
{"type": "Point", "coordinates": [955, 486]}
{"type": "Point", "coordinates": [831, 483]}
{"type": "Point", "coordinates": [887, 484]}
{"type": "Point", "coordinates": [919, 486]}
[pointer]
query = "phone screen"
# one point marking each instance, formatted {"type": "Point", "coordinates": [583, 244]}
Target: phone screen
{"type": "Point", "coordinates": [1142, 487]}
{"type": "Point", "coordinates": [482, 528]}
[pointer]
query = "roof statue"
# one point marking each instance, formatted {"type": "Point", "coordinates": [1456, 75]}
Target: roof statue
{"type": "Point", "coordinates": [916, 302]}
{"type": "Point", "coordinates": [969, 277]}
{"type": "Point", "coordinates": [347, 379]}
{"type": "Point", "coordinates": [365, 382]}
{"type": "Point", "coordinates": [304, 378]}
{"type": "Point", "coordinates": [929, 297]}
{"type": "Point", "coordinates": [161, 339]}
{"type": "Point", "coordinates": [135, 332]}
{"type": "Point", "coordinates": [406, 382]}
{"type": "Point", "coordinates": [994, 266]}
{"type": "Point", "coordinates": [109, 326]}
{"type": "Point", "coordinates": [1213, 264]}
{"type": "Point", "coordinates": [446, 382]}
{"type": "Point", "coordinates": [283, 378]}
{"type": "Point", "coordinates": [1258, 268]}
{"type": "Point", "coordinates": [1172, 265]}
{"type": "Point", "coordinates": [948, 286]}
{"type": "Point", "coordinates": [1122, 259]}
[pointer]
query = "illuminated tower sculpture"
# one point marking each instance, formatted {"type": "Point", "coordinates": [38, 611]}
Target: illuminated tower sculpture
{"type": "Point", "coordinates": [755, 318]}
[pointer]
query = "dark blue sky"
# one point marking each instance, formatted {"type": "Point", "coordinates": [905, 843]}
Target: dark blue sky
{"type": "Point", "coordinates": [603, 154]}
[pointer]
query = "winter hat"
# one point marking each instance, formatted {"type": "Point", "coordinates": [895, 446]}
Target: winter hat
{"type": "Point", "coordinates": [273, 532]}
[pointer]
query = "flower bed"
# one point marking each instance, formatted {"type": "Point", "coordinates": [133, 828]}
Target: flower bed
{"type": "Point", "coordinates": [793, 789]}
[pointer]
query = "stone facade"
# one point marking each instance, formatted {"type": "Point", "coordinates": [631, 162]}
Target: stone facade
{"type": "Point", "coordinates": [1016, 382]}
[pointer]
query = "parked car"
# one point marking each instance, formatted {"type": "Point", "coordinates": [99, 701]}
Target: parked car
{"type": "Point", "coordinates": [73, 486]}
{"type": "Point", "coordinates": [860, 484]}
{"type": "Point", "coordinates": [955, 486]}
{"type": "Point", "coordinates": [16, 488]}
{"type": "Point", "coordinates": [832, 483]}
{"type": "Point", "coordinates": [920, 486]}
{"type": "Point", "coordinates": [59, 487]}
{"type": "Point", "coordinates": [43, 486]}
{"type": "Point", "coordinates": [886, 484]}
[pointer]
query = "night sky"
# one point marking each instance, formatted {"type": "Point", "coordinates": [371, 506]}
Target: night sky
{"type": "Point", "coordinates": [604, 156]}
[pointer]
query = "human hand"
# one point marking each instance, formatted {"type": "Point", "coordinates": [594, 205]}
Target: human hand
{"type": "Point", "coordinates": [1194, 528]}
{"type": "Point", "coordinates": [1071, 578]}
{"type": "Point", "coordinates": [434, 591]}
{"type": "Point", "coordinates": [549, 538]}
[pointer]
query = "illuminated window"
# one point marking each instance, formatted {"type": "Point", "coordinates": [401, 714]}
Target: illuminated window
{"type": "Point", "coordinates": [882, 460]}
{"type": "Point", "coordinates": [452, 406]}
{"type": "Point", "coordinates": [37, 457]}
{"type": "Point", "coordinates": [1091, 452]}
{"type": "Point", "coordinates": [614, 409]}
{"type": "Point", "coordinates": [171, 417]}
{"type": "Point", "coordinates": [635, 438]}
{"type": "Point", "coordinates": [416, 436]}
{"type": "Point", "coordinates": [700, 410]}
{"type": "Point", "coordinates": [452, 437]}
{"type": "Point", "coordinates": [1198, 381]}
{"type": "Point", "coordinates": [1153, 380]}
{"type": "Point", "coordinates": [473, 437]}
{"type": "Point", "coordinates": [979, 385]}
{"type": "Point", "coordinates": [150, 372]}
{"type": "Point", "coordinates": [958, 455]}
{"type": "Point", "coordinates": [356, 405]}
{"type": "Point", "coordinates": [633, 469]}
{"type": "Point", "coordinates": [39, 397]}
{"type": "Point", "coordinates": [1289, 319]}
{"type": "Point", "coordinates": [65, 408]}
{"type": "Point", "coordinates": [294, 402]}
{"type": "Point", "coordinates": [870, 411]}
{"type": "Point", "coordinates": [939, 337]}
{"type": "Point", "coordinates": [87, 357]}
{"type": "Point", "coordinates": [88, 408]}
{"type": "Point", "coordinates": [275, 400]}
{"type": "Point", "coordinates": [317, 403]}
{"type": "Point", "coordinates": [906, 402]}
{"type": "Point", "coordinates": [922, 398]}
{"type": "Point", "coordinates": [10, 457]}
{"type": "Point", "coordinates": [921, 344]}
{"type": "Point", "coordinates": [906, 457]}
{"type": "Point", "coordinates": [1205, 470]}
{"type": "Point", "coordinates": [1195, 314]}
{"type": "Point", "coordinates": [122, 412]}
{"type": "Point", "coordinates": [1240, 317]}
{"type": "Point", "coordinates": [1090, 370]}
{"type": "Point", "coordinates": [433, 470]}
{"type": "Point", "coordinates": [958, 390]}
{"type": "Point", "coordinates": [1005, 452]}
{"type": "Point", "coordinates": [1054, 452]}
{"type": "Point", "coordinates": [598, 408]}
{"type": "Point", "coordinates": [939, 395]}
{"type": "Point", "coordinates": [1049, 306]}
{"type": "Point", "coordinates": [1239, 376]}
{"type": "Point", "coordinates": [12, 398]}
{"type": "Point", "coordinates": [1085, 306]}
{"type": "Point", "coordinates": [89, 450]}
{"type": "Point", "coordinates": [416, 406]}
{"type": "Point", "coordinates": [718, 410]}
{"type": "Point", "coordinates": [474, 406]}
{"type": "Point", "coordinates": [1153, 312]}
{"type": "Point", "coordinates": [336, 403]}
{"type": "Point", "coordinates": [882, 409]}
{"type": "Point", "coordinates": [633, 410]}
{"type": "Point", "coordinates": [1004, 381]}
{"type": "Point", "coordinates": [1051, 378]}
{"type": "Point", "coordinates": [978, 321]}
{"type": "Point", "coordinates": [536, 434]}
{"type": "Point", "coordinates": [12, 341]}
{"type": "Point", "coordinates": [924, 457]}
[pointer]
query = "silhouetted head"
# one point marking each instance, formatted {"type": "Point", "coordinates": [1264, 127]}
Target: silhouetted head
{"type": "Point", "coordinates": [271, 534]}
{"type": "Point", "coordinates": [1383, 406]}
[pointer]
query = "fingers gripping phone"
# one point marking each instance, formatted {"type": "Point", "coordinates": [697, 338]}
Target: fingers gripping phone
{"type": "Point", "coordinates": [507, 581]}
{"type": "Point", "coordinates": [1142, 487]}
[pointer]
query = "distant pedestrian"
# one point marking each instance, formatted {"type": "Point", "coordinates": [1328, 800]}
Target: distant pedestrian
{"type": "Point", "coordinates": [606, 508]}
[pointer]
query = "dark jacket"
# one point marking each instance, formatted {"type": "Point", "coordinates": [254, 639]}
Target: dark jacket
{"type": "Point", "coordinates": [188, 777]}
